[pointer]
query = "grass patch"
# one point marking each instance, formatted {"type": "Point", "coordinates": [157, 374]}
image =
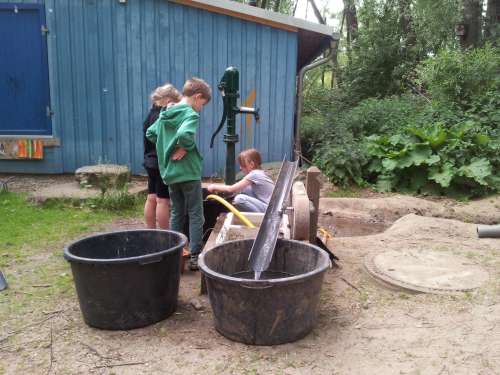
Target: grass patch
{"type": "Point", "coordinates": [32, 238]}
{"type": "Point", "coordinates": [26, 228]}
{"type": "Point", "coordinates": [348, 192]}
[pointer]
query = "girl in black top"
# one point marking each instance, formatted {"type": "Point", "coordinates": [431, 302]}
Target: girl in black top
{"type": "Point", "coordinates": [157, 206]}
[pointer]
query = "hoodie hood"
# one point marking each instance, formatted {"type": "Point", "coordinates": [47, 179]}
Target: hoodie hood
{"type": "Point", "coordinates": [175, 115]}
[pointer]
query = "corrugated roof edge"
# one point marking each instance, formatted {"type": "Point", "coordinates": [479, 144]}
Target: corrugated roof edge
{"type": "Point", "coordinates": [255, 13]}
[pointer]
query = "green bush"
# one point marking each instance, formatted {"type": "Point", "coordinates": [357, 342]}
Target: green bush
{"type": "Point", "coordinates": [459, 160]}
{"type": "Point", "coordinates": [447, 142]}
{"type": "Point", "coordinates": [114, 200]}
{"type": "Point", "coordinates": [460, 78]}
{"type": "Point", "coordinates": [338, 148]}
{"type": "Point", "coordinates": [319, 104]}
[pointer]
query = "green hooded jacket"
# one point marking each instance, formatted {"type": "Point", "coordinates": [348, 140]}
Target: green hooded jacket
{"type": "Point", "coordinates": [176, 127]}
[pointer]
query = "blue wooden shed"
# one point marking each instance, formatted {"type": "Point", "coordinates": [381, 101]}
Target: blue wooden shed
{"type": "Point", "coordinates": [75, 76]}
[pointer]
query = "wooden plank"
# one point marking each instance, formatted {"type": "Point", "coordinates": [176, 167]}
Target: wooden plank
{"type": "Point", "coordinates": [108, 91]}
{"type": "Point", "coordinates": [266, 72]}
{"type": "Point", "coordinates": [179, 43]}
{"type": "Point", "coordinates": [250, 79]}
{"type": "Point", "coordinates": [92, 72]}
{"type": "Point", "coordinates": [290, 94]}
{"type": "Point", "coordinates": [163, 42]}
{"type": "Point", "coordinates": [138, 101]}
{"type": "Point", "coordinates": [279, 107]}
{"type": "Point", "coordinates": [54, 65]}
{"type": "Point", "coordinates": [207, 70]}
{"type": "Point", "coordinates": [79, 84]}
{"type": "Point", "coordinates": [123, 123]}
{"type": "Point", "coordinates": [66, 112]}
{"type": "Point", "coordinates": [274, 149]}
{"type": "Point", "coordinates": [234, 59]}
{"type": "Point", "coordinates": [221, 29]}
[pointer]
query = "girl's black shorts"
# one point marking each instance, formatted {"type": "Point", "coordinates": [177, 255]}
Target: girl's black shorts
{"type": "Point", "coordinates": [156, 184]}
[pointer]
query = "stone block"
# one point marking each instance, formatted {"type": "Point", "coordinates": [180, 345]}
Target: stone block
{"type": "Point", "coordinates": [103, 176]}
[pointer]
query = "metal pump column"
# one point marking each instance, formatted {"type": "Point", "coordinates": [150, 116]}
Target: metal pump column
{"type": "Point", "coordinates": [229, 87]}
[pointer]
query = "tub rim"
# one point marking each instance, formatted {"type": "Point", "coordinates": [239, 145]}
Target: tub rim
{"type": "Point", "coordinates": [141, 259]}
{"type": "Point", "coordinates": [259, 284]}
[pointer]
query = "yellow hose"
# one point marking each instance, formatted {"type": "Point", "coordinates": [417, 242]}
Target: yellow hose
{"type": "Point", "coordinates": [231, 208]}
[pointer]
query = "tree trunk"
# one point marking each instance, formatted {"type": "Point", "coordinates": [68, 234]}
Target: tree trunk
{"type": "Point", "coordinates": [276, 7]}
{"type": "Point", "coordinates": [351, 19]}
{"type": "Point", "coordinates": [335, 51]}
{"type": "Point", "coordinates": [470, 31]}
{"type": "Point", "coordinates": [317, 13]}
{"type": "Point", "coordinates": [492, 24]}
{"type": "Point", "coordinates": [295, 7]}
{"type": "Point", "coordinates": [405, 24]}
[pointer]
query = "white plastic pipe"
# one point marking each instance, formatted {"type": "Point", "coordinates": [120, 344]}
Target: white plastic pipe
{"type": "Point", "coordinates": [491, 231]}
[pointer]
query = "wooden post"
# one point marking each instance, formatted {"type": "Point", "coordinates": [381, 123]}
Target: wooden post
{"type": "Point", "coordinates": [312, 188]}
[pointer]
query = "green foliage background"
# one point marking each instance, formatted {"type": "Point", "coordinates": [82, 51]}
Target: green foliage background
{"type": "Point", "coordinates": [420, 117]}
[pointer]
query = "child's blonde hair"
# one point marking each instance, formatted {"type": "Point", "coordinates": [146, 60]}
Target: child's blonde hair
{"type": "Point", "coordinates": [166, 91]}
{"type": "Point", "coordinates": [250, 155]}
{"type": "Point", "coordinates": [197, 86]}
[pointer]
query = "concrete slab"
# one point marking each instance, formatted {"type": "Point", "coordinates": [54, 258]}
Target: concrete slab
{"type": "Point", "coordinates": [72, 190]}
{"type": "Point", "coordinates": [428, 271]}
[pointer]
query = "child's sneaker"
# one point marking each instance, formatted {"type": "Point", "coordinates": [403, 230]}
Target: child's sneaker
{"type": "Point", "coordinates": [193, 262]}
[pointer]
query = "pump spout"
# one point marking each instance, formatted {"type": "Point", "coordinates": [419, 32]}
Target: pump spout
{"type": "Point", "coordinates": [250, 111]}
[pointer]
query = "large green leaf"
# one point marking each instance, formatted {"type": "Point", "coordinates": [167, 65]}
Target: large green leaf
{"type": "Point", "coordinates": [417, 156]}
{"type": "Point", "coordinates": [494, 181]}
{"type": "Point", "coordinates": [435, 135]}
{"type": "Point", "coordinates": [385, 183]}
{"type": "Point", "coordinates": [389, 164]}
{"type": "Point", "coordinates": [417, 180]}
{"type": "Point", "coordinates": [375, 165]}
{"type": "Point", "coordinates": [478, 170]}
{"type": "Point", "coordinates": [461, 129]}
{"type": "Point", "coordinates": [443, 175]}
{"type": "Point", "coordinates": [433, 159]}
{"type": "Point", "coordinates": [481, 139]}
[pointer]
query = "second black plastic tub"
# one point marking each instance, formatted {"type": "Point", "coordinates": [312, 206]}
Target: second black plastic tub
{"type": "Point", "coordinates": [127, 279]}
{"type": "Point", "coordinates": [277, 310]}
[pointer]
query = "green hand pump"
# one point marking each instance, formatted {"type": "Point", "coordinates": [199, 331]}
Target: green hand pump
{"type": "Point", "coordinates": [229, 89]}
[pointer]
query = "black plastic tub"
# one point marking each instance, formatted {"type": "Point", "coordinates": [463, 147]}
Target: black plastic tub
{"type": "Point", "coordinates": [127, 279]}
{"type": "Point", "coordinates": [282, 307]}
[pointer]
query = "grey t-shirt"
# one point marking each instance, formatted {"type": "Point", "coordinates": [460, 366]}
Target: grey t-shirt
{"type": "Point", "coordinates": [262, 185]}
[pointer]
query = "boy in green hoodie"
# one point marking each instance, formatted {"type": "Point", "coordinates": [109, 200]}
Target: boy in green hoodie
{"type": "Point", "coordinates": [180, 161]}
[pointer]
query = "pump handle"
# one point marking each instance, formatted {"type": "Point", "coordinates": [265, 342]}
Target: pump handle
{"type": "Point", "coordinates": [222, 121]}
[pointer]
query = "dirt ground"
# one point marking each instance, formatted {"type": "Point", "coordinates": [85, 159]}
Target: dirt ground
{"type": "Point", "coordinates": [363, 328]}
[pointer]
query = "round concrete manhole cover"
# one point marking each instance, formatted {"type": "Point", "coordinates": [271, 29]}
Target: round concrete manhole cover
{"type": "Point", "coordinates": [426, 271]}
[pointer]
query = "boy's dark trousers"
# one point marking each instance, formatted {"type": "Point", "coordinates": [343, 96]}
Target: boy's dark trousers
{"type": "Point", "coordinates": [187, 200]}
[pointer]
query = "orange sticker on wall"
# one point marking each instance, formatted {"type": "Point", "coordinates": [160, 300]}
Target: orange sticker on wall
{"type": "Point", "coordinates": [21, 149]}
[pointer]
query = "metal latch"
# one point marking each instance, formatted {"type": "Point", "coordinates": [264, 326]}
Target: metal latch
{"type": "Point", "coordinates": [48, 111]}
{"type": "Point", "coordinates": [44, 29]}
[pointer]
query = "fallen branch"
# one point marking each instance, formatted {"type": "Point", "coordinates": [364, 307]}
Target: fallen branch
{"type": "Point", "coordinates": [93, 350]}
{"type": "Point", "coordinates": [10, 334]}
{"type": "Point", "coordinates": [20, 345]}
{"type": "Point", "coordinates": [51, 351]}
{"type": "Point", "coordinates": [53, 312]}
{"type": "Point", "coordinates": [351, 285]}
{"type": "Point", "coordinates": [120, 364]}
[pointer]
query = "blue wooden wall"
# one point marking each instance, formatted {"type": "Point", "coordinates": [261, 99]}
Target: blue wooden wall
{"type": "Point", "coordinates": [105, 58]}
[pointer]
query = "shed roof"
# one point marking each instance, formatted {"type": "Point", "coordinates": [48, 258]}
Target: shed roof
{"type": "Point", "coordinates": [313, 38]}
